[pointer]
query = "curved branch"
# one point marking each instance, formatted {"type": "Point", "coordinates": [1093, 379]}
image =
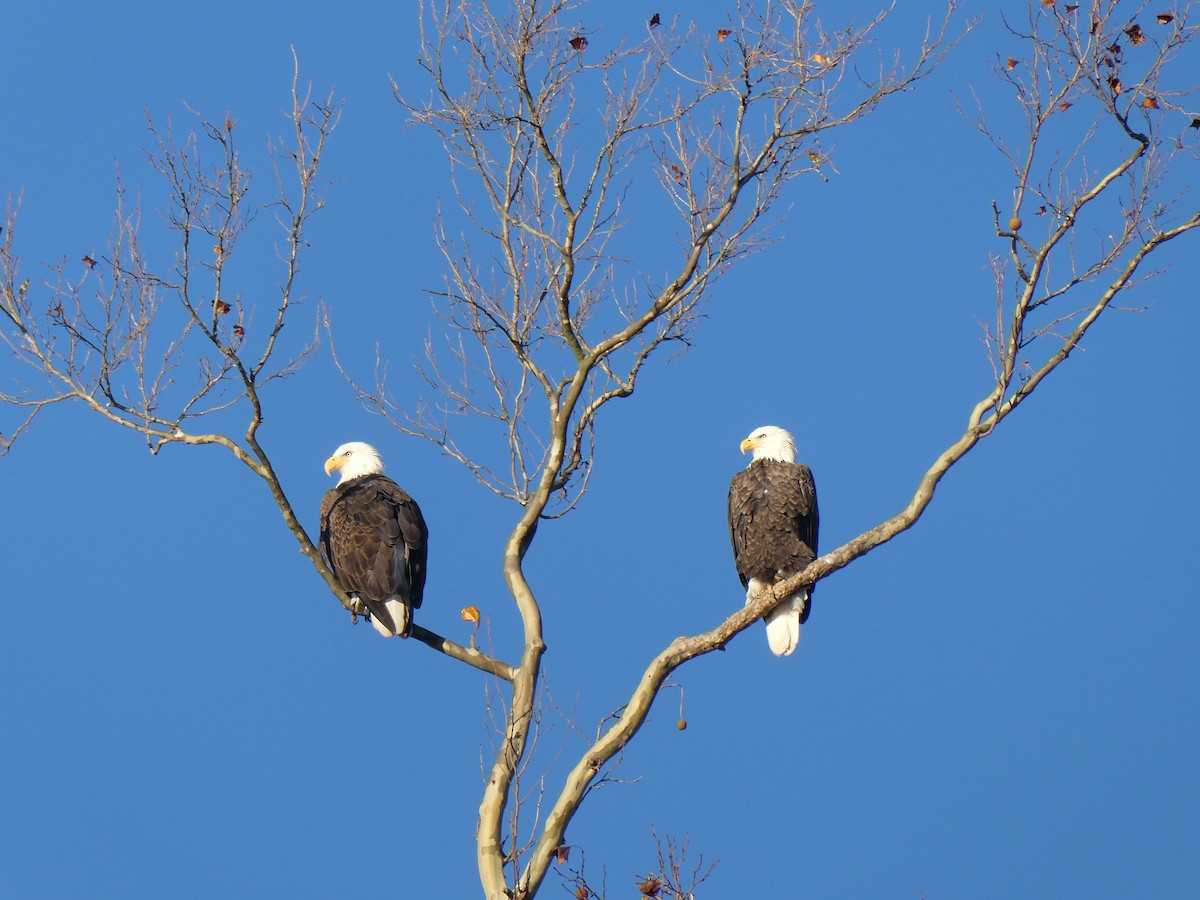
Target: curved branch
{"type": "Point", "coordinates": [468, 655]}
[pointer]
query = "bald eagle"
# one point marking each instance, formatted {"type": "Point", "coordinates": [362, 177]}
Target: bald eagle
{"type": "Point", "coordinates": [374, 539]}
{"type": "Point", "coordinates": [773, 527]}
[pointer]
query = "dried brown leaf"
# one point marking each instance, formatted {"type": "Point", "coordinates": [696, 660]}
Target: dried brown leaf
{"type": "Point", "coordinates": [651, 886]}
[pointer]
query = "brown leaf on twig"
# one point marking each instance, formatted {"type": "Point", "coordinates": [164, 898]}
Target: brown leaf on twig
{"type": "Point", "coordinates": [1134, 32]}
{"type": "Point", "coordinates": [91, 263]}
{"type": "Point", "coordinates": [221, 307]}
{"type": "Point", "coordinates": [651, 886]}
{"type": "Point", "coordinates": [578, 42]}
{"type": "Point", "coordinates": [676, 174]}
{"type": "Point", "coordinates": [1150, 103]}
{"type": "Point", "coordinates": [563, 851]}
{"type": "Point", "coordinates": [1164, 18]}
{"type": "Point", "coordinates": [1011, 64]}
{"type": "Point", "coordinates": [723, 33]}
{"type": "Point", "coordinates": [655, 21]}
{"type": "Point", "coordinates": [238, 331]}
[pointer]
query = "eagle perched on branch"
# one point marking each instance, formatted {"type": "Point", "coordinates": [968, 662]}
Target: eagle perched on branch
{"type": "Point", "coordinates": [374, 538]}
{"type": "Point", "coordinates": [773, 526]}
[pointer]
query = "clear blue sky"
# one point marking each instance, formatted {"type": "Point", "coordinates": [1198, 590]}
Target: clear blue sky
{"type": "Point", "coordinates": [1003, 702]}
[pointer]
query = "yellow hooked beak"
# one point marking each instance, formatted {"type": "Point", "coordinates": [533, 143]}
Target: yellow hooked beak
{"type": "Point", "coordinates": [748, 444]}
{"type": "Point", "coordinates": [334, 462]}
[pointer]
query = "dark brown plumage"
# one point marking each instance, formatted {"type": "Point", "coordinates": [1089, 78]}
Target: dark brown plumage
{"type": "Point", "coordinates": [374, 539]}
{"type": "Point", "coordinates": [773, 521]}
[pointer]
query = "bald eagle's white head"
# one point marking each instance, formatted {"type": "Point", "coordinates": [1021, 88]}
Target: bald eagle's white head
{"type": "Point", "coordinates": [771, 442]}
{"type": "Point", "coordinates": [354, 460]}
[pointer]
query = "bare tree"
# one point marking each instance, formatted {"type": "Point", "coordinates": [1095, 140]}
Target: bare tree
{"type": "Point", "coordinates": [550, 315]}
{"type": "Point", "coordinates": [726, 121]}
{"type": "Point", "coordinates": [163, 351]}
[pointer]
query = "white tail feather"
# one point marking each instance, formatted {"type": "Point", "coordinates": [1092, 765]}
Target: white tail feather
{"type": "Point", "coordinates": [381, 627]}
{"type": "Point", "coordinates": [783, 622]}
{"type": "Point", "coordinates": [783, 627]}
{"type": "Point", "coordinates": [400, 615]}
